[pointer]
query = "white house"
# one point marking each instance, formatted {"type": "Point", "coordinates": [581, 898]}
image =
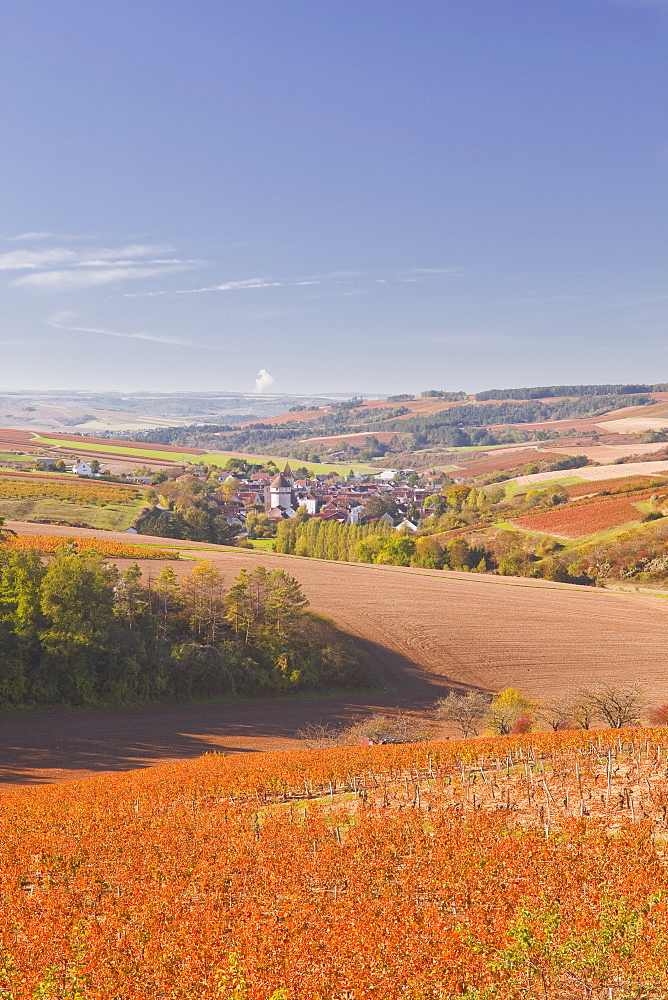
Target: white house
{"type": "Point", "coordinates": [354, 512]}
{"type": "Point", "coordinates": [82, 469]}
{"type": "Point", "coordinates": [407, 525]}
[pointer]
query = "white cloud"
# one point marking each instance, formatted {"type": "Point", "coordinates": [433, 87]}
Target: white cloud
{"type": "Point", "coordinates": [28, 236]}
{"type": "Point", "coordinates": [58, 322]}
{"type": "Point", "coordinates": [70, 279]}
{"type": "Point", "coordinates": [61, 268]}
{"type": "Point", "coordinates": [234, 286]}
{"type": "Point", "coordinates": [263, 381]}
{"type": "Point", "coordinates": [356, 278]}
{"type": "Point", "coordinates": [22, 260]}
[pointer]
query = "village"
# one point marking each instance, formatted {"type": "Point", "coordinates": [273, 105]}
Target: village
{"type": "Point", "coordinates": [403, 498]}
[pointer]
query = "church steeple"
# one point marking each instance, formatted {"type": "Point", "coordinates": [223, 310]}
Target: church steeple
{"type": "Point", "coordinates": [287, 474]}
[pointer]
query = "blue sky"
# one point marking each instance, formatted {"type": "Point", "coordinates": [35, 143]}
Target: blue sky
{"type": "Point", "coordinates": [353, 196]}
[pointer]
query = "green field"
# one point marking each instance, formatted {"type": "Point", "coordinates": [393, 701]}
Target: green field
{"type": "Point", "coordinates": [211, 458]}
{"type": "Point", "coordinates": [75, 447]}
{"type": "Point", "coordinates": [513, 488]}
{"type": "Point", "coordinates": [112, 517]}
{"type": "Point", "coordinates": [11, 456]}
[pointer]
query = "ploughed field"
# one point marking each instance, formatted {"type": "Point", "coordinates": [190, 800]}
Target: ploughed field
{"type": "Point", "coordinates": [515, 867]}
{"type": "Point", "coordinates": [426, 632]}
{"type": "Point", "coordinates": [428, 629]}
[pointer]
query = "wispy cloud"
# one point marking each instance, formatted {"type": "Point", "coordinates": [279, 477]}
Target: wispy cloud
{"type": "Point", "coordinates": [96, 276]}
{"type": "Point", "coordinates": [264, 380]}
{"type": "Point", "coordinates": [59, 322]}
{"type": "Point", "coordinates": [62, 268]}
{"type": "Point", "coordinates": [436, 270]}
{"type": "Point", "coordinates": [354, 281]}
{"type": "Point", "coordinates": [21, 260]}
{"type": "Point", "coordinates": [28, 236]}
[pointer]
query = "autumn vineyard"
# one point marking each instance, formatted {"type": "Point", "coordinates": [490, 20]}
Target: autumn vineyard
{"type": "Point", "coordinates": [74, 491]}
{"type": "Point", "coordinates": [519, 867]}
{"type": "Point", "coordinates": [577, 520]}
{"type": "Point", "coordinates": [48, 544]}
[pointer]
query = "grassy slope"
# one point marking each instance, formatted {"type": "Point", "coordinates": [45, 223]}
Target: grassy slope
{"type": "Point", "coordinates": [513, 487]}
{"type": "Point", "coordinates": [266, 544]}
{"type": "Point", "coordinates": [116, 517]}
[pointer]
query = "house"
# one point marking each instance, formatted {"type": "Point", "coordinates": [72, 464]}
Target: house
{"type": "Point", "coordinates": [276, 514]}
{"type": "Point", "coordinates": [82, 469]}
{"type": "Point", "coordinates": [310, 501]}
{"type": "Point", "coordinates": [406, 525]}
{"type": "Point", "coordinates": [354, 513]}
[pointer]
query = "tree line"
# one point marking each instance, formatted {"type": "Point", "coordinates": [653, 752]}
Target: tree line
{"type": "Point", "coordinates": [78, 631]}
{"type": "Point", "coordinates": [545, 391]}
{"type": "Point", "coordinates": [321, 539]}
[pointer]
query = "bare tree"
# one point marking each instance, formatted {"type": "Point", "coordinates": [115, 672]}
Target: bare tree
{"type": "Point", "coordinates": [397, 728]}
{"type": "Point", "coordinates": [558, 713]}
{"type": "Point", "coordinates": [464, 710]}
{"type": "Point", "coordinates": [375, 728]}
{"type": "Point", "coordinates": [618, 706]}
{"type": "Point", "coordinates": [583, 711]}
{"type": "Point", "coordinates": [320, 735]}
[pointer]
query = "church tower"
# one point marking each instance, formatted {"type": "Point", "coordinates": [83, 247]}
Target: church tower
{"type": "Point", "coordinates": [281, 490]}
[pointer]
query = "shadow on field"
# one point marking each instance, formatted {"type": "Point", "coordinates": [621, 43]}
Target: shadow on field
{"type": "Point", "coordinates": [42, 747]}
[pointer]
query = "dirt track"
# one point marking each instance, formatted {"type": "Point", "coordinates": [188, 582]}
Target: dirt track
{"type": "Point", "coordinates": [426, 631]}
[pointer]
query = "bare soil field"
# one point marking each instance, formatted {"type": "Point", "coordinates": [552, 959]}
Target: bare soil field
{"type": "Point", "coordinates": [606, 453]}
{"type": "Point", "coordinates": [635, 425]}
{"type": "Point", "coordinates": [425, 631]}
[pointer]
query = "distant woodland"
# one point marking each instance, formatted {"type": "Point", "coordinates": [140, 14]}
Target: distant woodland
{"type": "Point", "coordinates": [462, 424]}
